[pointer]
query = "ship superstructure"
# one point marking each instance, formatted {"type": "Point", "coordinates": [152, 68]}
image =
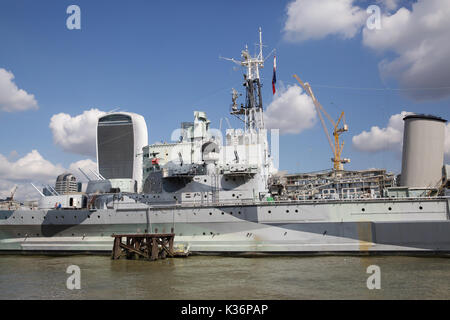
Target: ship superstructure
{"type": "Point", "coordinates": [332, 184]}
{"type": "Point", "coordinates": [206, 167]}
{"type": "Point", "coordinates": [216, 194]}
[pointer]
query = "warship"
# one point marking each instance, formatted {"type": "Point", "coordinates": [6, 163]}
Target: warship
{"type": "Point", "coordinates": [223, 194]}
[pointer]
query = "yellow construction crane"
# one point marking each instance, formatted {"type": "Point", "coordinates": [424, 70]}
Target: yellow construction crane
{"type": "Point", "coordinates": [337, 147]}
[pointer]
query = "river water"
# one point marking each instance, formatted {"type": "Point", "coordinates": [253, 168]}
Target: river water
{"type": "Point", "coordinates": [212, 277]}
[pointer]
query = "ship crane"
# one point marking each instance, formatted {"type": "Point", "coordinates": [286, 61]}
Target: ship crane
{"type": "Point", "coordinates": [10, 200]}
{"type": "Point", "coordinates": [337, 146]}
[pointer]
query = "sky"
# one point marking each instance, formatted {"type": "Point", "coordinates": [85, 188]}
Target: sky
{"type": "Point", "coordinates": [160, 59]}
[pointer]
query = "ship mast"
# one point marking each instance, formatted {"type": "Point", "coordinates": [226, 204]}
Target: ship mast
{"type": "Point", "coordinates": [252, 113]}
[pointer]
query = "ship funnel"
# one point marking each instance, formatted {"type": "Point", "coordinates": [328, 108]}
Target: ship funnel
{"type": "Point", "coordinates": [423, 151]}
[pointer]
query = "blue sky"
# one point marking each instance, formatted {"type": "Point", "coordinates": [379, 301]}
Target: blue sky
{"type": "Point", "coordinates": [161, 59]}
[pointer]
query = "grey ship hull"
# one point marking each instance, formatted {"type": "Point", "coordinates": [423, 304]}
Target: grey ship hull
{"type": "Point", "coordinates": [369, 226]}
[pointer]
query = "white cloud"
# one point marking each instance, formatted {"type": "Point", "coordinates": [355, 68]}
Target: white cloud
{"type": "Point", "coordinates": [389, 4]}
{"type": "Point", "coordinates": [380, 139]}
{"type": "Point", "coordinates": [85, 165]}
{"type": "Point", "coordinates": [6, 187]}
{"type": "Point", "coordinates": [13, 155]}
{"type": "Point", "coordinates": [31, 165]}
{"type": "Point", "coordinates": [76, 134]}
{"type": "Point", "coordinates": [30, 168]}
{"type": "Point", "coordinates": [419, 39]}
{"type": "Point", "coordinates": [291, 111]}
{"type": "Point", "coordinates": [25, 191]}
{"type": "Point", "coordinates": [33, 168]}
{"type": "Point", "coordinates": [390, 137]}
{"type": "Point", "coordinates": [312, 19]}
{"type": "Point", "coordinates": [11, 97]}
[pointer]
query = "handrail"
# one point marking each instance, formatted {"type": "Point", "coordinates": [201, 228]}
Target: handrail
{"type": "Point", "coordinates": [286, 202]}
{"type": "Point", "coordinates": [248, 202]}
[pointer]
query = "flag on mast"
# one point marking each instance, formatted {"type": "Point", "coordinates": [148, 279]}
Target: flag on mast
{"type": "Point", "coordinates": [274, 78]}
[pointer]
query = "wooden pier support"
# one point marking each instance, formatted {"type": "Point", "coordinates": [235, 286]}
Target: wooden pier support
{"type": "Point", "coordinates": [150, 246]}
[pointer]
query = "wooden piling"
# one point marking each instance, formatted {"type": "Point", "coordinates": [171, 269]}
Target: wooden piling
{"type": "Point", "coordinates": [150, 246]}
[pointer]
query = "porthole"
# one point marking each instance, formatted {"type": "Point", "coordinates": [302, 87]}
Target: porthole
{"type": "Point", "coordinates": [287, 211]}
{"type": "Point", "coordinates": [270, 211]}
{"type": "Point", "coordinates": [204, 180]}
{"type": "Point", "coordinates": [233, 195]}
{"type": "Point", "coordinates": [231, 212]}
{"type": "Point", "coordinates": [420, 207]}
{"type": "Point", "coordinates": [239, 212]}
{"type": "Point", "coordinates": [204, 233]}
{"type": "Point", "coordinates": [98, 217]}
{"type": "Point", "coordinates": [222, 213]}
{"type": "Point", "coordinates": [296, 210]}
{"type": "Point", "coordinates": [363, 209]}
{"type": "Point", "coordinates": [32, 217]}
{"type": "Point", "coordinates": [210, 213]}
{"type": "Point", "coordinates": [389, 208]}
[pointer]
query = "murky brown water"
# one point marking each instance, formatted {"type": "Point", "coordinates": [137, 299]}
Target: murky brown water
{"type": "Point", "coordinates": [206, 277]}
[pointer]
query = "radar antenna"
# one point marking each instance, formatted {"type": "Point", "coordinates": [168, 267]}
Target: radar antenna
{"type": "Point", "coordinates": [234, 96]}
{"type": "Point", "coordinates": [252, 112]}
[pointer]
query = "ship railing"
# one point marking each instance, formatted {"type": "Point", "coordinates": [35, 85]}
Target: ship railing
{"type": "Point", "coordinates": [380, 199]}
{"type": "Point", "coordinates": [243, 202]}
